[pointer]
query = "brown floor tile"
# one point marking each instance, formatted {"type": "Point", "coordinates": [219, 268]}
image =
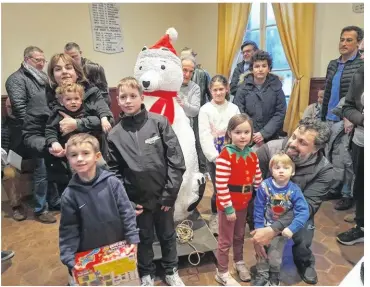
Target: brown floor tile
{"type": "Point", "coordinates": [337, 259]}
{"type": "Point", "coordinates": [37, 259]}
{"type": "Point", "coordinates": [318, 248]}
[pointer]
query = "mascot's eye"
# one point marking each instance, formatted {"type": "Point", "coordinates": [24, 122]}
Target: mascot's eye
{"type": "Point", "coordinates": [140, 67]}
{"type": "Point", "coordinates": [163, 67]}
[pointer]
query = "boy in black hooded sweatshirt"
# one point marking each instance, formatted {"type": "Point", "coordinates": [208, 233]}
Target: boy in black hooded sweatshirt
{"type": "Point", "coordinates": [95, 209]}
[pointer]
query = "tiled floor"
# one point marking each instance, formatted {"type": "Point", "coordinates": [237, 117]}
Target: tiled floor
{"type": "Point", "coordinates": [37, 255]}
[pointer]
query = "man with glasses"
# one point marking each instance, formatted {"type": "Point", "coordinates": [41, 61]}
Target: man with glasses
{"type": "Point", "coordinates": [247, 49]}
{"type": "Point", "coordinates": [338, 78]}
{"type": "Point", "coordinates": [21, 86]}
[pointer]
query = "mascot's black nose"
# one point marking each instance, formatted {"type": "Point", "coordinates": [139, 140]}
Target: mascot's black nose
{"type": "Point", "coordinates": [146, 84]}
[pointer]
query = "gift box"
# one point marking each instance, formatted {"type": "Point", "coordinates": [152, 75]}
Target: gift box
{"type": "Point", "coordinates": [107, 266]}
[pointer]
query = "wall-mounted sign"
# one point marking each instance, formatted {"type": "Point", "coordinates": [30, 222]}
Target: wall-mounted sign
{"type": "Point", "coordinates": [106, 27]}
{"type": "Point", "coordinates": [358, 7]}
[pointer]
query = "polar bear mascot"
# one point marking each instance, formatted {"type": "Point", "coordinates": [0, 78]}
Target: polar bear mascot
{"type": "Point", "coordinates": [159, 71]}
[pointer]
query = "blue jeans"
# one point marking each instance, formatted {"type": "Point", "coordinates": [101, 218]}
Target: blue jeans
{"type": "Point", "coordinates": [43, 190]}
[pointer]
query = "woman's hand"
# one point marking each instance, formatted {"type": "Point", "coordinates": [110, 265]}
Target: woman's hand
{"type": "Point", "coordinates": [62, 153]}
{"type": "Point", "coordinates": [258, 138]}
{"type": "Point", "coordinates": [67, 125]}
{"type": "Point", "coordinates": [56, 147]}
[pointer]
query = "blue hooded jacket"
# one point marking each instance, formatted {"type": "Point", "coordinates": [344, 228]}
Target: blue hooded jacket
{"type": "Point", "coordinates": [94, 214]}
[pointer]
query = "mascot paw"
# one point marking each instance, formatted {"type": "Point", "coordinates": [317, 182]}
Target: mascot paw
{"type": "Point", "coordinates": [201, 188]}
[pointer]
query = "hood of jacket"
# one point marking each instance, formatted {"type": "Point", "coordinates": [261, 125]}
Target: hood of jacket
{"type": "Point", "coordinates": [79, 186]}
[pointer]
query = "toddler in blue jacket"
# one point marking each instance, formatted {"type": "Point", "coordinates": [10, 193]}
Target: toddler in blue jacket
{"type": "Point", "coordinates": [275, 197]}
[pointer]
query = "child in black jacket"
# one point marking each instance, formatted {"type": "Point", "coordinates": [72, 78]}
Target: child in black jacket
{"type": "Point", "coordinates": [145, 153]}
{"type": "Point", "coordinates": [71, 98]}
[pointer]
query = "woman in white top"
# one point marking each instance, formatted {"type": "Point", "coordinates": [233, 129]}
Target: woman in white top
{"type": "Point", "coordinates": [213, 120]}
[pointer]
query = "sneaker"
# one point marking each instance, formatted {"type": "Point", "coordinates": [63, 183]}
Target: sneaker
{"type": "Point", "coordinates": [352, 236]}
{"type": "Point", "coordinates": [350, 218]}
{"type": "Point", "coordinates": [174, 279]}
{"type": "Point", "coordinates": [147, 280]}
{"type": "Point", "coordinates": [242, 271]}
{"type": "Point", "coordinates": [261, 280]}
{"type": "Point", "coordinates": [274, 279]}
{"type": "Point", "coordinates": [213, 224]}
{"type": "Point", "coordinates": [6, 255]}
{"type": "Point", "coordinates": [226, 279]}
{"type": "Point", "coordinates": [344, 203]}
{"type": "Point", "coordinates": [19, 213]}
{"type": "Point", "coordinates": [46, 217]}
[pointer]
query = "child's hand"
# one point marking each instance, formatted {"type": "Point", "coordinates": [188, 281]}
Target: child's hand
{"type": "Point", "coordinates": [56, 147]}
{"type": "Point", "coordinates": [287, 233]}
{"type": "Point", "coordinates": [131, 248]}
{"type": "Point", "coordinates": [231, 217]}
{"type": "Point", "coordinates": [78, 267]}
{"type": "Point", "coordinates": [139, 209]}
{"type": "Point", "coordinates": [105, 125]}
{"type": "Point", "coordinates": [165, 208]}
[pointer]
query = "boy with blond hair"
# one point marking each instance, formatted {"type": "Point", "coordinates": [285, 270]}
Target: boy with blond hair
{"type": "Point", "coordinates": [95, 209]}
{"type": "Point", "coordinates": [145, 154]}
{"type": "Point", "coordinates": [71, 98]}
{"type": "Point", "coordinates": [275, 197]}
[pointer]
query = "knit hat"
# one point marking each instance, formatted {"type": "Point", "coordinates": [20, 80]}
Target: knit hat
{"type": "Point", "coordinates": [167, 40]}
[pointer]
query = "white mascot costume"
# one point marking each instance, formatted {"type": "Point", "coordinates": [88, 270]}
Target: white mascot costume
{"type": "Point", "coordinates": [159, 71]}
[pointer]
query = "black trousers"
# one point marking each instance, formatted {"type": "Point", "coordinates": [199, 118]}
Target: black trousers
{"type": "Point", "coordinates": [165, 229]}
{"type": "Point", "coordinates": [358, 186]}
{"type": "Point", "coordinates": [302, 253]}
{"type": "Point", "coordinates": [212, 173]}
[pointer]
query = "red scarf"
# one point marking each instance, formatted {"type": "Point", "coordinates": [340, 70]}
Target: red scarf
{"type": "Point", "coordinates": [165, 100]}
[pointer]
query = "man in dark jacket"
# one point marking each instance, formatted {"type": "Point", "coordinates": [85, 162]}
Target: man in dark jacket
{"type": "Point", "coordinates": [353, 110]}
{"type": "Point", "coordinates": [247, 49]}
{"type": "Point", "coordinates": [340, 71]}
{"type": "Point", "coordinates": [313, 174]}
{"type": "Point", "coordinates": [22, 87]}
{"type": "Point", "coordinates": [146, 155]}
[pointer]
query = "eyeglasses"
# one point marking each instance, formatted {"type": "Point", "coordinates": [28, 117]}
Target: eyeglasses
{"type": "Point", "coordinates": [38, 60]}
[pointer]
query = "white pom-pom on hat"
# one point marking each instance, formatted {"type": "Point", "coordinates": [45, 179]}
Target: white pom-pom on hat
{"type": "Point", "coordinates": [172, 33]}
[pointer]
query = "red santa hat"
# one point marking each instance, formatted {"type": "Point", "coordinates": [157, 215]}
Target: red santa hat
{"type": "Point", "coordinates": [167, 40]}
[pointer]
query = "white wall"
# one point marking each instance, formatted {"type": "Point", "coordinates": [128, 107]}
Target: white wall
{"type": "Point", "coordinates": [50, 26]}
{"type": "Point", "coordinates": [330, 19]}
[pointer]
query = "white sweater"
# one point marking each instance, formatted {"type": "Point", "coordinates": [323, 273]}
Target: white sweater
{"type": "Point", "coordinates": [213, 121]}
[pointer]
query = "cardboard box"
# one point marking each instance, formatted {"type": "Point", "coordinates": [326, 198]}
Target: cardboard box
{"type": "Point", "coordinates": [107, 266]}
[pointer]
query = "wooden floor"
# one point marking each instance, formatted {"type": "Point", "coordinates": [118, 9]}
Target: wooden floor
{"type": "Point", "coordinates": [37, 262]}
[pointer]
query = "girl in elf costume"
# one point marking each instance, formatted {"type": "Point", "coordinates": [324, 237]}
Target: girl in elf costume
{"type": "Point", "coordinates": [237, 172]}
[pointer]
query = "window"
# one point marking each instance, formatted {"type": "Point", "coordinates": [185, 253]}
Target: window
{"type": "Point", "coordinates": [262, 29]}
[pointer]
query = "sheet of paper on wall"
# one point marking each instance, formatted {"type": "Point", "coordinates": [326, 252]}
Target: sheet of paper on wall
{"type": "Point", "coordinates": [15, 160]}
{"type": "Point", "coordinates": [106, 27]}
